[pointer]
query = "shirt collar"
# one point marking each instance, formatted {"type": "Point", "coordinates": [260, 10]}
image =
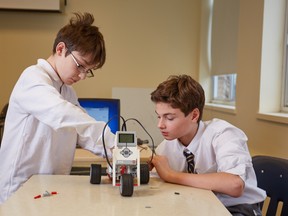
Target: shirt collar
{"type": "Point", "coordinates": [193, 146]}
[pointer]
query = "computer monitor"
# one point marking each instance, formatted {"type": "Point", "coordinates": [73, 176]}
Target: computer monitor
{"type": "Point", "coordinates": [103, 109]}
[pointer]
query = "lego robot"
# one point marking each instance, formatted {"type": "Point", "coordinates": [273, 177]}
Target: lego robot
{"type": "Point", "coordinates": [126, 170]}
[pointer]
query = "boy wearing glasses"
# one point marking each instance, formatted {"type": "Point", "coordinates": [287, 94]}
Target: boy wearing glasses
{"type": "Point", "coordinates": [210, 155]}
{"type": "Point", "coordinates": [44, 121]}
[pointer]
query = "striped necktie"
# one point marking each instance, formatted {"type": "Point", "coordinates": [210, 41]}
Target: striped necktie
{"type": "Point", "coordinates": [190, 160]}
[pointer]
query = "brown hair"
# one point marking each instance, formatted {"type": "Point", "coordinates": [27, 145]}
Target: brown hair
{"type": "Point", "coordinates": [181, 92]}
{"type": "Point", "coordinates": [80, 35]}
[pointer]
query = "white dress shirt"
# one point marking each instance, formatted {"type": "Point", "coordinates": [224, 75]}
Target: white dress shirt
{"type": "Point", "coordinates": [218, 147]}
{"type": "Point", "coordinates": [44, 123]}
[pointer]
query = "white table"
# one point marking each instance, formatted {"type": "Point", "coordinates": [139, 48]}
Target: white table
{"type": "Point", "coordinates": [76, 196]}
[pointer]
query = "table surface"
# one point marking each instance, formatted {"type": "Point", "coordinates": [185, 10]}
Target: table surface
{"type": "Point", "coordinates": [76, 196]}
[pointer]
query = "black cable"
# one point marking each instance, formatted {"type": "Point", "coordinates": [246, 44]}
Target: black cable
{"type": "Point", "coordinates": [153, 146]}
{"type": "Point", "coordinates": [124, 128]}
{"type": "Point", "coordinates": [103, 137]}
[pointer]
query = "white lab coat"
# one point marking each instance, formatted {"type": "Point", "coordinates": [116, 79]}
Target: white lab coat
{"type": "Point", "coordinates": [44, 123]}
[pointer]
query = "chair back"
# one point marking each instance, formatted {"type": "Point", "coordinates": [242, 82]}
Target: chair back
{"type": "Point", "coordinates": [272, 176]}
{"type": "Point", "coordinates": [2, 120]}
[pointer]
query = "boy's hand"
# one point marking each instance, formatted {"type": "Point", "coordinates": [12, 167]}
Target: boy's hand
{"type": "Point", "coordinates": [150, 165]}
{"type": "Point", "coordinates": [162, 166]}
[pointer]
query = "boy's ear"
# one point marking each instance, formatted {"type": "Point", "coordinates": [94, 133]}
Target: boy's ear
{"type": "Point", "coordinates": [60, 48]}
{"type": "Point", "coordinates": [195, 114]}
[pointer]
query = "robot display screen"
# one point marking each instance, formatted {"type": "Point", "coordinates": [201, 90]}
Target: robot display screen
{"type": "Point", "coordinates": [103, 109]}
{"type": "Point", "coordinates": [126, 138]}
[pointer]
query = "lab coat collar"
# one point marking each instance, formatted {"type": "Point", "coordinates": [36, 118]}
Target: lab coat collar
{"type": "Point", "coordinates": [49, 69]}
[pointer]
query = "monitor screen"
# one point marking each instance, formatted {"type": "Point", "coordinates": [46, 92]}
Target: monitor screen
{"type": "Point", "coordinates": [103, 109]}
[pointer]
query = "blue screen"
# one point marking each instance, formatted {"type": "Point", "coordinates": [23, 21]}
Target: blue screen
{"type": "Point", "coordinates": [103, 109]}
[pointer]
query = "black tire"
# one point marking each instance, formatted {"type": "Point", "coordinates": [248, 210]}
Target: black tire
{"type": "Point", "coordinates": [126, 185]}
{"type": "Point", "coordinates": [144, 174]}
{"type": "Point", "coordinates": [95, 173]}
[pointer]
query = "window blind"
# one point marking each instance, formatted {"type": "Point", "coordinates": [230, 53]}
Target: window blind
{"type": "Point", "coordinates": [224, 37]}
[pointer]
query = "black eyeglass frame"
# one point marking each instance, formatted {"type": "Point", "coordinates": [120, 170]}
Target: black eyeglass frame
{"type": "Point", "coordinates": [88, 73]}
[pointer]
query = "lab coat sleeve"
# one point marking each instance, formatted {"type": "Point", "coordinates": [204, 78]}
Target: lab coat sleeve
{"type": "Point", "coordinates": [37, 96]}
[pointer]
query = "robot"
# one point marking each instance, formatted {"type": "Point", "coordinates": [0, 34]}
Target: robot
{"type": "Point", "coordinates": [126, 170]}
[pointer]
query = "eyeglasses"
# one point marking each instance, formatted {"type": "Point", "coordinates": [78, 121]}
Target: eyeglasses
{"type": "Point", "coordinates": [88, 73]}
